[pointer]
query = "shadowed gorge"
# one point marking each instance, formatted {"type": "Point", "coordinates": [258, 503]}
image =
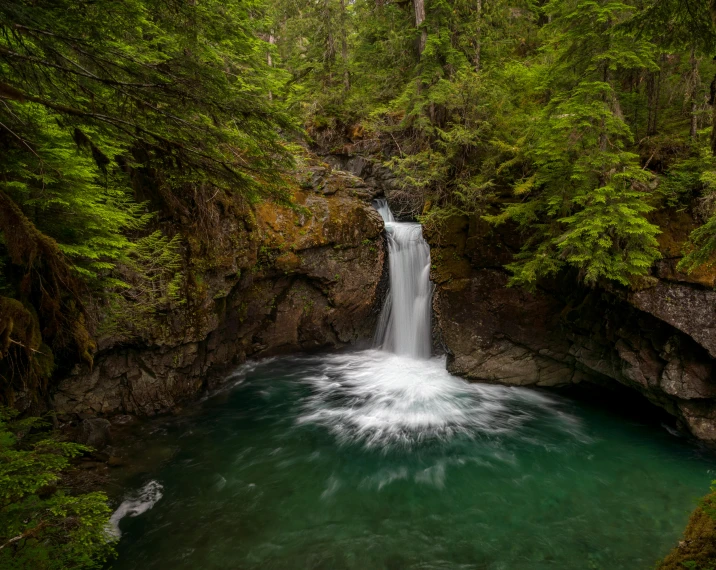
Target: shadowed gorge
{"type": "Point", "coordinates": [391, 284]}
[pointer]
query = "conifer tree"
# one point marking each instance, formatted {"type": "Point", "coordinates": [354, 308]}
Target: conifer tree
{"type": "Point", "coordinates": [42, 525]}
{"type": "Point", "coordinates": [586, 199]}
{"type": "Point", "coordinates": [110, 111]}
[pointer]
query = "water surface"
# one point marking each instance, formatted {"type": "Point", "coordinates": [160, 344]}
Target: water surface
{"type": "Point", "coordinates": [375, 461]}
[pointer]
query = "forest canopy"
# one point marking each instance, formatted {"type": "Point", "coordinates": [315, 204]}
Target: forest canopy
{"type": "Point", "coordinates": [571, 120]}
{"type": "Point", "coordinates": [114, 117]}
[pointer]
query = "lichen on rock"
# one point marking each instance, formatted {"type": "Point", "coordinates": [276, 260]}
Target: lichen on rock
{"type": "Point", "coordinates": [697, 549]}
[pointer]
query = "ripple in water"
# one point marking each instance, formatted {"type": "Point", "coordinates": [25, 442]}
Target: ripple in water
{"type": "Point", "coordinates": [379, 399]}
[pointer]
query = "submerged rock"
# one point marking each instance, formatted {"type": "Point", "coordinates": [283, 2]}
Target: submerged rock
{"type": "Point", "coordinates": [96, 433]}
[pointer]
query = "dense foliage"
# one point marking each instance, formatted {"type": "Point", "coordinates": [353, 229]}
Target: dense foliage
{"type": "Point", "coordinates": [571, 120]}
{"type": "Point", "coordinates": [122, 126]}
{"type": "Point", "coordinates": [42, 527]}
{"type": "Point", "coordinates": [125, 126]}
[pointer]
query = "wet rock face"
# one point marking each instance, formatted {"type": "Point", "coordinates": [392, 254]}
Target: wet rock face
{"type": "Point", "coordinates": [685, 307]}
{"type": "Point", "coordinates": [502, 335]}
{"type": "Point", "coordinates": [295, 279]}
{"type": "Point", "coordinates": [405, 203]}
{"type": "Point", "coordinates": [660, 340]}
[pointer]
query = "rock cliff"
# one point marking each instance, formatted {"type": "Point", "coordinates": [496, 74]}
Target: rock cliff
{"type": "Point", "coordinates": [656, 338]}
{"type": "Point", "coordinates": [295, 277]}
{"type": "Point", "coordinates": [308, 276]}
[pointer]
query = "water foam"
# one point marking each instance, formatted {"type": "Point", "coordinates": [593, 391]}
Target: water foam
{"type": "Point", "coordinates": [404, 325]}
{"type": "Point", "coordinates": [381, 204]}
{"type": "Point", "coordinates": [408, 330]}
{"type": "Point", "coordinates": [135, 505]}
{"type": "Point", "coordinates": [381, 400]}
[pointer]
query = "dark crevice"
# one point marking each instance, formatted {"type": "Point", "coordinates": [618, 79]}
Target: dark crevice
{"type": "Point", "coordinates": [621, 401]}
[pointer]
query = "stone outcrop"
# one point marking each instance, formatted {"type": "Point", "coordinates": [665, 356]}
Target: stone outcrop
{"type": "Point", "coordinates": [292, 278]}
{"type": "Point", "coordinates": [684, 307]}
{"type": "Point", "coordinates": [404, 202]}
{"type": "Point", "coordinates": [308, 276]}
{"type": "Point", "coordinates": [658, 339]}
{"type": "Point", "coordinates": [95, 432]}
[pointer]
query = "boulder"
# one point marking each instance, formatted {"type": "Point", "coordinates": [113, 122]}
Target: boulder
{"type": "Point", "coordinates": [95, 433]}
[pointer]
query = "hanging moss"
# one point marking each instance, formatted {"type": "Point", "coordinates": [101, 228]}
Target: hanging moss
{"type": "Point", "coordinates": [25, 362]}
{"type": "Point", "coordinates": [50, 311]}
{"type": "Point", "coordinates": [18, 327]}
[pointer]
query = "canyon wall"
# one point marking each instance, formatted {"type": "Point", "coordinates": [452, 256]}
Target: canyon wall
{"type": "Point", "coordinates": [292, 278]}
{"type": "Point", "coordinates": [309, 277]}
{"type": "Point", "coordinates": [656, 337]}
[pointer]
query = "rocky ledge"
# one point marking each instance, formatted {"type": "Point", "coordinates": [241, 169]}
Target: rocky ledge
{"type": "Point", "coordinates": [298, 277]}
{"type": "Point", "coordinates": [658, 338]}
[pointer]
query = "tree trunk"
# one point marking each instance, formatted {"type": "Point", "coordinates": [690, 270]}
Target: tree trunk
{"type": "Point", "coordinates": [695, 81]}
{"type": "Point", "coordinates": [713, 114]}
{"type": "Point", "coordinates": [634, 88]}
{"type": "Point", "coordinates": [653, 86]}
{"type": "Point", "coordinates": [344, 46]}
{"type": "Point", "coordinates": [269, 59]}
{"type": "Point", "coordinates": [606, 78]}
{"type": "Point", "coordinates": [329, 55]}
{"type": "Point", "coordinates": [478, 34]}
{"type": "Point", "coordinates": [712, 8]}
{"type": "Point", "coordinates": [419, 19]}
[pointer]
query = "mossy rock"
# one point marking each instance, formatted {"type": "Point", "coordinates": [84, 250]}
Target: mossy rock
{"type": "Point", "coordinates": [697, 550]}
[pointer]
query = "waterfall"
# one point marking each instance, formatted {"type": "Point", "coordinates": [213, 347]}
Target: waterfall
{"type": "Point", "coordinates": [384, 210]}
{"type": "Point", "coordinates": [404, 325]}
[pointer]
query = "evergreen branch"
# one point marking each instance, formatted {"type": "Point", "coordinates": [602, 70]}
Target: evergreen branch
{"type": "Point", "coordinates": [82, 73]}
{"type": "Point", "coordinates": [8, 92]}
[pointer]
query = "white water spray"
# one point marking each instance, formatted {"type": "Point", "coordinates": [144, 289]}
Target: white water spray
{"type": "Point", "coordinates": [404, 326]}
{"type": "Point", "coordinates": [382, 400]}
{"type": "Point", "coordinates": [384, 210]}
{"type": "Point", "coordinates": [133, 506]}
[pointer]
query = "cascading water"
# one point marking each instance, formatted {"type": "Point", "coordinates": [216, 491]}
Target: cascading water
{"type": "Point", "coordinates": [404, 326]}
{"type": "Point", "coordinates": [381, 204]}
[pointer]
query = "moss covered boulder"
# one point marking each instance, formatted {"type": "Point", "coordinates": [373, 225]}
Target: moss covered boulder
{"type": "Point", "coordinates": [697, 549]}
